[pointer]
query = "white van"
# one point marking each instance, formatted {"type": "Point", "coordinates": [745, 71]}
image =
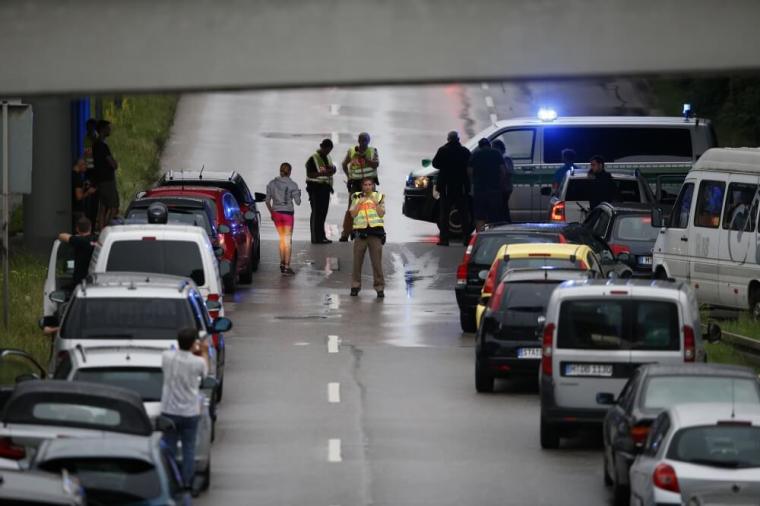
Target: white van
{"type": "Point", "coordinates": [711, 240]}
{"type": "Point", "coordinates": [178, 250]}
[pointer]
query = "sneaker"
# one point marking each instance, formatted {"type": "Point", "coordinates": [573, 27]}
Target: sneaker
{"type": "Point", "coordinates": [344, 238]}
{"type": "Point", "coordinates": [380, 294]}
{"type": "Point", "coordinates": [282, 267]}
{"type": "Point", "coordinates": [288, 271]}
{"type": "Point", "coordinates": [354, 292]}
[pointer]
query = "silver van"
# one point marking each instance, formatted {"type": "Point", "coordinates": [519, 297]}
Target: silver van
{"type": "Point", "coordinates": [598, 332]}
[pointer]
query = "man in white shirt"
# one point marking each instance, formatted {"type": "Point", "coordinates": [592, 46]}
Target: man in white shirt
{"type": "Point", "coordinates": [180, 396]}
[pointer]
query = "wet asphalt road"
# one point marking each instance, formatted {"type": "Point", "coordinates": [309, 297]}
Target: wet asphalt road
{"type": "Point", "coordinates": [385, 411]}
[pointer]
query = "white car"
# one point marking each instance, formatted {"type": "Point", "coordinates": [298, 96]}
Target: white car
{"type": "Point", "coordinates": [139, 369]}
{"type": "Point", "coordinates": [700, 454]}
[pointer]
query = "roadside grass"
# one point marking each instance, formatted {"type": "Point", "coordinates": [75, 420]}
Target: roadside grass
{"type": "Point", "coordinates": [27, 277]}
{"type": "Point", "coordinates": [140, 128]}
{"type": "Point", "coordinates": [745, 325]}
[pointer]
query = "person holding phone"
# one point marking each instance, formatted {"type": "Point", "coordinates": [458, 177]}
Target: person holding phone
{"type": "Point", "coordinates": [361, 162]}
{"type": "Point", "coordinates": [367, 211]}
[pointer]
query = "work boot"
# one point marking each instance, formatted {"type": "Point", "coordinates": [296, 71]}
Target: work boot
{"type": "Point", "coordinates": [354, 292]}
{"type": "Point", "coordinates": [344, 238]}
{"type": "Point", "coordinates": [380, 294]}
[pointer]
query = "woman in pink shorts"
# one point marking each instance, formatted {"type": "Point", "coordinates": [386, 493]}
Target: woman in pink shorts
{"type": "Point", "coordinates": [282, 192]}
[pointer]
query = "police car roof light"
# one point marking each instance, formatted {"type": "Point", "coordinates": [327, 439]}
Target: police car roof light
{"type": "Point", "coordinates": [547, 114]}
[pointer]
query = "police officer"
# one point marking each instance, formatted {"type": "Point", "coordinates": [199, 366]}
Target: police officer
{"type": "Point", "coordinates": [367, 209]}
{"type": "Point", "coordinates": [319, 185]}
{"type": "Point", "coordinates": [361, 161]}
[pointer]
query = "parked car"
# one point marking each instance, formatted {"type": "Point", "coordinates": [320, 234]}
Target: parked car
{"type": "Point", "coordinates": [710, 240]}
{"type": "Point", "coordinates": [700, 454]}
{"type": "Point", "coordinates": [115, 470]}
{"type": "Point", "coordinates": [34, 488]}
{"type": "Point", "coordinates": [139, 369]}
{"type": "Point", "coordinates": [535, 256]}
{"type": "Point", "coordinates": [598, 332]}
{"type": "Point", "coordinates": [571, 203]}
{"type": "Point", "coordinates": [136, 309]}
{"type": "Point", "coordinates": [652, 389]}
{"type": "Point", "coordinates": [181, 210]}
{"type": "Point", "coordinates": [240, 248]}
{"type": "Point", "coordinates": [16, 366]}
{"type": "Point", "coordinates": [656, 146]}
{"type": "Point", "coordinates": [484, 245]}
{"type": "Point", "coordinates": [627, 230]}
{"type": "Point", "coordinates": [508, 342]}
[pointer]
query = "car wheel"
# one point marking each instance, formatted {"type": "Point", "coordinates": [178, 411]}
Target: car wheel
{"type": "Point", "coordinates": [467, 321]}
{"type": "Point", "coordinates": [219, 391]}
{"type": "Point", "coordinates": [455, 222]}
{"type": "Point", "coordinates": [483, 381]}
{"type": "Point", "coordinates": [754, 303]}
{"type": "Point", "coordinates": [230, 280]}
{"type": "Point", "coordinates": [549, 435]}
{"type": "Point", "coordinates": [256, 255]}
{"type": "Point", "coordinates": [206, 476]}
{"type": "Point", "coordinates": [246, 277]}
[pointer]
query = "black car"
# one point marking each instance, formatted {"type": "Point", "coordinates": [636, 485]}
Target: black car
{"type": "Point", "coordinates": [508, 343]}
{"type": "Point", "coordinates": [627, 229]}
{"type": "Point", "coordinates": [483, 246]}
{"type": "Point", "coordinates": [650, 390]}
{"type": "Point", "coordinates": [182, 210]}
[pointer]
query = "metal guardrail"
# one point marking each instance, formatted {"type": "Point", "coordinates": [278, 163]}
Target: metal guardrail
{"type": "Point", "coordinates": [748, 347]}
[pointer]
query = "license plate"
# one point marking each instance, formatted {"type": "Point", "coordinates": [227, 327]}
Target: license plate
{"type": "Point", "coordinates": [645, 260]}
{"type": "Point", "coordinates": [528, 352]}
{"type": "Point", "coordinates": [588, 370]}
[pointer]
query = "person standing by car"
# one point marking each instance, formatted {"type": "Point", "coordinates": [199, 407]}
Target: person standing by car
{"type": "Point", "coordinates": [282, 192]}
{"type": "Point", "coordinates": [452, 185]}
{"type": "Point", "coordinates": [604, 189]}
{"type": "Point", "coordinates": [361, 161]}
{"type": "Point", "coordinates": [367, 210]}
{"type": "Point", "coordinates": [319, 186]}
{"type": "Point", "coordinates": [184, 369]}
{"type": "Point", "coordinates": [487, 167]}
{"type": "Point", "coordinates": [568, 164]}
{"type": "Point", "coordinates": [105, 176]}
{"type": "Point", "coordinates": [509, 170]}
{"type": "Point", "coordinates": [82, 244]}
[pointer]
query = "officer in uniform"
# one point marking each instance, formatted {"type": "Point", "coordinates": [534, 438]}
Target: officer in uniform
{"type": "Point", "coordinates": [367, 209]}
{"type": "Point", "coordinates": [319, 185]}
{"type": "Point", "coordinates": [361, 161]}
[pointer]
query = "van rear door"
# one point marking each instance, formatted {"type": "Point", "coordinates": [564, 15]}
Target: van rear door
{"type": "Point", "coordinates": [656, 332]}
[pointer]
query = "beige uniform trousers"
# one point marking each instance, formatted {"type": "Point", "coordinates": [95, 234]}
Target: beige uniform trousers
{"type": "Point", "coordinates": [375, 246]}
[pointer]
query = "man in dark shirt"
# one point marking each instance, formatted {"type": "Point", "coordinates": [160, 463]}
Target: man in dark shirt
{"type": "Point", "coordinates": [319, 185]}
{"type": "Point", "coordinates": [605, 189]}
{"type": "Point", "coordinates": [488, 169]}
{"type": "Point", "coordinates": [453, 185]}
{"type": "Point", "coordinates": [105, 176]}
{"type": "Point", "coordinates": [82, 243]}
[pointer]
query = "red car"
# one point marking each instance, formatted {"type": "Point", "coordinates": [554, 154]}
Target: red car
{"type": "Point", "coordinates": [234, 235]}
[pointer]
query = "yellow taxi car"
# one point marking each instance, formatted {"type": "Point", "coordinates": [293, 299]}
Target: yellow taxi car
{"type": "Point", "coordinates": [534, 255]}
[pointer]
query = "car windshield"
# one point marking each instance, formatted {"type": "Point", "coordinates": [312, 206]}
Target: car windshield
{"type": "Point", "coordinates": [196, 217]}
{"type": "Point", "coordinates": [661, 392]}
{"type": "Point", "coordinates": [487, 245]}
{"type": "Point", "coordinates": [583, 189]}
{"type": "Point", "coordinates": [635, 228]}
{"type": "Point", "coordinates": [111, 480]}
{"type": "Point", "coordinates": [731, 445]}
{"type": "Point", "coordinates": [125, 318]}
{"type": "Point", "coordinates": [618, 324]}
{"type": "Point", "coordinates": [179, 258]}
{"type": "Point", "coordinates": [147, 382]}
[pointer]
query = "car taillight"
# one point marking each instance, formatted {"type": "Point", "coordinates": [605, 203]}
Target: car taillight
{"type": "Point", "coordinates": [213, 313]}
{"type": "Point", "coordinates": [664, 477]}
{"type": "Point", "coordinates": [689, 346]}
{"type": "Point", "coordinates": [10, 451]}
{"type": "Point", "coordinates": [558, 212]}
{"type": "Point", "coordinates": [619, 248]}
{"type": "Point", "coordinates": [462, 269]}
{"type": "Point", "coordinates": [546, 350]}
{"type": "Point", "coordinates": [639, 434]}
{"type": "Point", "coordinates": [462, 274]}
{"type": "Point", "coordinates": [497, 296]}
{"type": "Point", "coordinates": [490, 283]}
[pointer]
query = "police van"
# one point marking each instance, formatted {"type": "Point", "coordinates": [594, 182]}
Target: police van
{"type": "Point", "coordinates": [711, 237]}
{"type": "Point", "coordinates": [659, 147]}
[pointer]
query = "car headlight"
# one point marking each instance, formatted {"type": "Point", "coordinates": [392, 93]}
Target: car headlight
{"type": "Point", "coordinates": [421, 182]}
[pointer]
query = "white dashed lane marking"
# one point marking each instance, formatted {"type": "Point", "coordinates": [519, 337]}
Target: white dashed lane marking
{"type": "Point", "coordinates": [333, 393]}
{"type": "Point", "coordinates": [494, 118]}
{"type": "Point", "coordinates": [333, 451]}
{"type": "Point", "coordinates": [333, 344]}
{"type": "Point", "coordinates": [489, 102]}
{"type": "Point", "coordinates": [334, 109]}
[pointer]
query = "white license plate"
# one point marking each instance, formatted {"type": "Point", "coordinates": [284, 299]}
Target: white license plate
{"type": "Point", "coordinates": [528, 352]}
{"type": "Point", "coordinates": [588, 370]}
{"type": "Point", "coordinates": [645, 260]}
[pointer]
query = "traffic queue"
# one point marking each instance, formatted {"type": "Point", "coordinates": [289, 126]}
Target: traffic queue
{"type": "Point", "coordinates": [600, 304]}
{"type": "Point", "coordinates": [125, 411]}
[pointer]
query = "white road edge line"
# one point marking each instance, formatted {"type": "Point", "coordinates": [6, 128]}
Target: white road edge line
{"type": "Point", "coordinates": [333, 451]}
{"type": "Point", "coordinates": [489, 102]}
{"type": "Point", "coordinates": [334, 108]}
{"type": "Point", "coordinates": [333, 344]}
{"type": "Point", "coordinates": [333, 393]}
{"type": "Point", "coordinates": [494, 118]}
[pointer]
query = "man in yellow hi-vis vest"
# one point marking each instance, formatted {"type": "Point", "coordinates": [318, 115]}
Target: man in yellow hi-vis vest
{"type": "Point", "coordinates": [361, 161]}
{"type": "Point", "coordinates": [367, 209]}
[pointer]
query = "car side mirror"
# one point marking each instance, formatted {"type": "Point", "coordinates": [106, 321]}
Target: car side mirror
{"type": "Point", "coordinates": [605, 398]}
{"type": "Point", "coordinates": [223, 229]}
{"type": "Point", "coordinates": [209, 383]}
{"type": "Point", "coordinates": [58, 296]}
{"type": "Point", "coordinates": [259, 197]}
{"type": "Point", "coordinates": [546, 191]}
{"type": "Point", "coordinates": [624, 257]}
{"type": "Point", "coordinates": [427, 162]}
{"type": "Point", "coordinates": [482, 275]}
{"type": "Point", "coordinates": [249, 216]}
{"type": "Point", "coordinates": [658, 217]}
{"type": "Point", "coordinates": [714, 333]}
{"type": "Point", "coordinates": [225, 267]}
{"type": "Point", "coordinates": [163, 424]}
{"type": "Point", "coordinates": [222, 324]}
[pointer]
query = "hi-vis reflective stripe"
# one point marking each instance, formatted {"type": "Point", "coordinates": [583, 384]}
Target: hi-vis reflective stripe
{"type": "Point", "coordinates": [356, 169]}
{"type": "Point", "coordinates": [319, 165]}
{"type": "Point", "coordinates": [367, 216]}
